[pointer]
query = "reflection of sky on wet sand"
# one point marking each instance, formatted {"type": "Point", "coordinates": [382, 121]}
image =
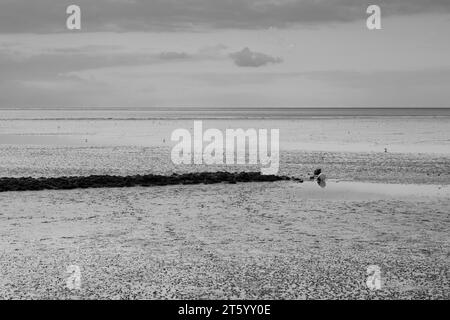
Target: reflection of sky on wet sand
{"type": "Point", "coordinates": [322, 183]}
{"type": "Point", "coordinates": [350, 134]}
{"type": "Point", "coordinates": [360, 191]}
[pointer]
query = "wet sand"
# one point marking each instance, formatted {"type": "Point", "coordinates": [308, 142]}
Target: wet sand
{"type": "Point", "coordinates": [280, 240]}
{"type": "Point", "coordinates": [366, 191]}
{"type": "Point", "coordinates": [38, 161]}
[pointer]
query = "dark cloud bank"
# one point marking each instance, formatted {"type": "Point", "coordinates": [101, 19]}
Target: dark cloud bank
{"type": "Point", "coordinates": [248, 58]}
{"type": "Point", "coordinates": [46, 16]}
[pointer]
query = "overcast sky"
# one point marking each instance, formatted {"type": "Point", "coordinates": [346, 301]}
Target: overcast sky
{"type": "Point", "coordinates": [219, 53]}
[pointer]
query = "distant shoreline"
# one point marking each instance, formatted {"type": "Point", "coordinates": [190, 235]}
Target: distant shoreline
{"type": "Point", "coordinates": [189, 113]}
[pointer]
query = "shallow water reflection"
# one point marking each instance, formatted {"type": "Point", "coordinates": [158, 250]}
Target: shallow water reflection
{"type": "Point", "coordinates": [350, 190]}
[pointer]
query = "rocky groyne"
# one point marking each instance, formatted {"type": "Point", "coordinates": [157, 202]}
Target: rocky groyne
{"type": "Point", "coordinates": [110, 181]}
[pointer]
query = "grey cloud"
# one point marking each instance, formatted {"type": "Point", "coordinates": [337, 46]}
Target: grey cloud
{"type": "Point", "coordinates": [213, 51]}
{"type": "Point", "coordinates": [57, 61]}
{"type": "Point", "coordinates": [248, 58]}
{"type": "Point", "coordinates": [88, 49]}
{"type": "Point", "coordinates": [415, 88]}
{"type": "Point", "coordinates": [173, 55]}
{"type": "Point", "coordinates": [410, 80]}
{"type": "Point", "coordinates": [49, 64]}
{"type": "Point", "coordinates": [50, 78]}
{"type": "Point", "coordinates": [46, 16]}
{"type": "Point", "coordinates": [400, 88]}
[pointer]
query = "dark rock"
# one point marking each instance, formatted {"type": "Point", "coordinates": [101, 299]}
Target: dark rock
{"type": "Point", "coordinates": [105, 181]}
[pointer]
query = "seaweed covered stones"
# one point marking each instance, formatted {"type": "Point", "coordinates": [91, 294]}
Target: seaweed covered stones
{"type": "Point", "coordinates": [107, 181]}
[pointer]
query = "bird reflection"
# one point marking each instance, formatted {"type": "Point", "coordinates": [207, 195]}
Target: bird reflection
{"type": "Point", "coordinates": [322, 183]}
{"type": "Point", "coordinates": [321, 180]}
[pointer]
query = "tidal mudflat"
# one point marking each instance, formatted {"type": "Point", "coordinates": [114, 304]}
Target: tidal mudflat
{"type": "Point", "coordinates": [256, 240]}
{"type": "Point", "coordinates": [250, 240]}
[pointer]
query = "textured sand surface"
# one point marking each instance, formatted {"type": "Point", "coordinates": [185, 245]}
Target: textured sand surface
{"type": "Point", "coordinates": [254, 240]}
{"type": "Point", "coordinates": [35, 161]}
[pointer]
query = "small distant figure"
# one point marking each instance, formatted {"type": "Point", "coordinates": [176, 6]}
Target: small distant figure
{"type": "Point", "coordinates": [85, 140]}
{"type": "Point", "coordinates": [385, 150]}
{"type": "Point", "coordinates": [164, 140]}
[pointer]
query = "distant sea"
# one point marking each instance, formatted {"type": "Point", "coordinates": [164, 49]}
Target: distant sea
{"type": "Point", "coordinates": [213, 113]}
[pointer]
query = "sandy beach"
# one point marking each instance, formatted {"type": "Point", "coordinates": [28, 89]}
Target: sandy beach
{"type": "Point", "coordinates": [257, 240]}
{"type": "Point", "coordinates": [227, 241]}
